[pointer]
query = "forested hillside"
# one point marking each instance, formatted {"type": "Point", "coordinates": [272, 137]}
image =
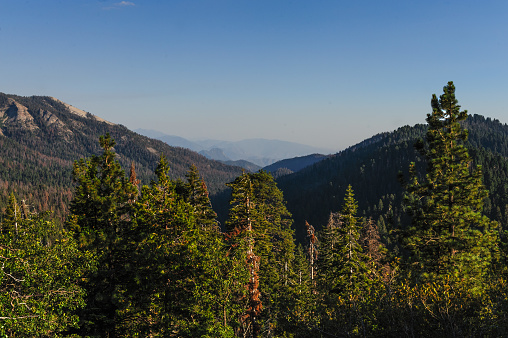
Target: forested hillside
{"type": "Point", "coordinates": [41, 137]}
{"type": "Point", "coordinates": [291, 165]}
{"type": "Point", "coordinates": [372, 168]}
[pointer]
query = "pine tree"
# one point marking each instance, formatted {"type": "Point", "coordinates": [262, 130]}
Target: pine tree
{"type": "Point", "coordinates": [343, 262]}
{"type": "Point", "coordinates": [181, 285]}
{"type": "Point", "coordinates": [12, 216]}
{"type": "Point", "coordinates": [374, 249]}
{"type": "Point", "coordinates": [132, 177]}
{"type": "Point", "coordinates": [272, 235]}
{"type": "Point", "coordinates": [100, 215]}
{"type": "Point", "coordinates": [297, 303]}
{"type": "Point", "coordinates": [312, 252]}
{"type": "Point", "coordinates": [344, 278]}
{"type": "Point", "coordinates": [197, 196]}
{"type": "Point", "coordinates": [449, 238]}
{"type": "Point", "coordinates": [242, 219]}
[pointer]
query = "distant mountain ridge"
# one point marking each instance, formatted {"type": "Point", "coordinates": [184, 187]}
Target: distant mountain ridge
{"type": "Point", "coordinates": [215, 154]}
{"type": "Point", "coordinates": [174, 141]}
{"type": "Point", "coordinates": [261, 152]}
{"type": "Point", "coordinates": [248, 166]}
{"type": "Point", "coordinates": [292, 165]}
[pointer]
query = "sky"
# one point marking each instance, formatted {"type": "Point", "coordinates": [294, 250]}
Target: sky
{"type": "Point", "coordinates": [327, 73]}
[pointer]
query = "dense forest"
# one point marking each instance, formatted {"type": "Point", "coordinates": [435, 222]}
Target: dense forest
{"type": "Point", "coordinates": [374, 169]}
{"type": "Point", "coordinates": [403, 239]}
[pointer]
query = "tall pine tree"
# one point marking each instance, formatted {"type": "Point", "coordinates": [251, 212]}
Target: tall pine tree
{"type": "Point", "coordinates": [449, 238]}
{"type": "Point", "coordinates": [343, 263]}
{"type": "Point", "coordinates": [100, 215]}
{"type": "Point", "coordinates": [181, 286]}
{"type": "Point", "coordinates": [271, 235]}
{"type": "Point", "coordinates": [196, 194]}
{"type": "Point", "coordinates": [345, 279]}
{"type": "Point", "coordinates": [243, 218]}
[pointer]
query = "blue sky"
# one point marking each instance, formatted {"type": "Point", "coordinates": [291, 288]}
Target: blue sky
{"type": "Point", "coordinates": [327, 73]}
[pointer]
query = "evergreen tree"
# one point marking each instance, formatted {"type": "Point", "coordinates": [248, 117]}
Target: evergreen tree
{"type": "Point", "coordinates": [181, 285]}
{"type": "Point", "coordinates": [100, 215]}
{"type": "Point", "coordinates": [343, 261]}
{"type": "Point", "coordinates": [449, 238]}
{"type": "Point", "coordinates": [297, 304]}
{"type": "Point", "coordinates": [243, 217]}
{"type": "Point", "coordinates": [345, 279]}
{"type": "Point", "coordinates": [12, 216]}
{"type": "Point", "coordinates": [313, 252]}
{"type": "Point", "coordinates": [374, 249]}
{"type": "Point", "coordinates": [272, 237]}
{"type": "Point", "coordinates": [197, 196]}
{"type": "Point", "coordinates": [132, 177]}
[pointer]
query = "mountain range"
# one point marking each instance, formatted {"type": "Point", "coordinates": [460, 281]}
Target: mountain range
{"type": "Point", "coordinates": [261, 152]}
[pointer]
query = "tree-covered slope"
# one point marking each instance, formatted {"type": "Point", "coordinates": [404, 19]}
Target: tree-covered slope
{"type": "Point", "coordinates": [372, 168]}
{"type": "Point", "coordinates": [41, 137]}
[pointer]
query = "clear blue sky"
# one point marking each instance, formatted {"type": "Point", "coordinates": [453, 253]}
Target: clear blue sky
{"type": "Point", "coordinates": [327, 73]}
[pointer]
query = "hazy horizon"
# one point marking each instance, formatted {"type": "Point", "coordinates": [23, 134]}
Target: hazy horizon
{"type": "Point", "coordinates": [153, 133]}
{"type": "Point", "coordinates": [327, 74]}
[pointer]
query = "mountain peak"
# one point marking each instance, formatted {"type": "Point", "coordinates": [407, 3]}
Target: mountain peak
{"type": "Point", "coordinates": [79, 112]}
{"type": "Point", "coordinates": [13, 112]}
{"type": "Point", "coordinates": [36, 113]}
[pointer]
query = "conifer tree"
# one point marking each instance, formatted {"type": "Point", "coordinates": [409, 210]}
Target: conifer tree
{"type": "Point", "coordinates": [181, 285]}
{"type": "Point", "coordinates": [343, 263]}
{"type": "Point", "coordinates": [272, 235]}
{"type": "Point", "coordinates": [242, 219]}
{"type": "Point", "coordinates": [374, 249]}
{"type": "Point", "coordinates": [12, 216]}
{"type": "Point", "coordinates": [132, 177]}
{"type": "Point", "coordinates": [449, 238]}
{"type": "Point", "coordinates": [296, 305]}
{"type": "Point", "coordinates": [344, 278]}
{"type": "Point", "coordinates": [313, 252]}
{"type": "Point", "coordinates": [197, 196]}
{"type": "Point", "coordinates": [100, 215]}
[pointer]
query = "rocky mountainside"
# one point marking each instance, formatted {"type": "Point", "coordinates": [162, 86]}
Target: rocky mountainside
{"type": "Point", "coordinates": [41, 137]}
